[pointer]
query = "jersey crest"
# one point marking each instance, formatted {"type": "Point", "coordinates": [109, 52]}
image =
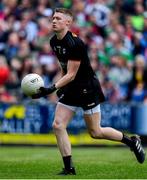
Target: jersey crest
{"type": "Point", "coordinates": [74, 35]}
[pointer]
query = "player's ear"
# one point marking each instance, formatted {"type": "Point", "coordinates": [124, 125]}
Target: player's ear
{"type": "Point", "coordinates": [69, 21]}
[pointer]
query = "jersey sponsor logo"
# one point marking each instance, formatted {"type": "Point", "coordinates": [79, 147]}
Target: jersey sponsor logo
{"type": "Point", "coordinates": [92, 104]}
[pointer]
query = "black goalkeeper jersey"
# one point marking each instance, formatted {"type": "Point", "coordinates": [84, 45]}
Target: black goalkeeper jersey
{"type": "Point", "coordinates": [72, 48]}
{"type": "Point", "coordinates": [85, 90]}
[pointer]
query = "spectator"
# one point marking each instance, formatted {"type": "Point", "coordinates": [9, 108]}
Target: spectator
{"type": "Point", "coordinates": [12, 46]}
{"type": "Point", "coordinates": [137, 19]}
{"type": "Point", "coordinates": [112, 30]}
{"type": "Point", "coordinates": [44, 31]}
{"type": "Point", "coordinates": [24, 50]}
{"type": "Point", "coordinates": [48, 61]}
{"type": "Point", "coordinates": [138, 82]}
{"type": "Point", "coordinates": [138, 93]}
{"type": "Point", "coordinates": [28, 25]}
{"type": "Point", "coordinates": [137, 49]}
{"type": "Point", "coordinates": [4, 71]}
{"type": "Point", "coordinates": [43, 8]}
{"type": "Point", "coordinates": [98, 13]}
{"type": "Point", "coordinates": [120, 76]}
{"type": "Point", "coordinates": [4, 34]}
{"type": "Point", "coordinates": [6, 97]}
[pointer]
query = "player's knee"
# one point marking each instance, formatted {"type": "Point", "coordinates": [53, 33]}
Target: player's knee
{"type": "Point", "coordinates": [96, 134]}
{"type": "Point", "coordinates": [57, 126]}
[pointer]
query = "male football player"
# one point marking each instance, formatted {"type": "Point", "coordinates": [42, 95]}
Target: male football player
{"type": "Point", "coordinates": [78, 87]}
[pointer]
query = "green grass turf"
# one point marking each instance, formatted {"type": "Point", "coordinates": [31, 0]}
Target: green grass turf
{"type": "Point", "coordinates": [91, 163]}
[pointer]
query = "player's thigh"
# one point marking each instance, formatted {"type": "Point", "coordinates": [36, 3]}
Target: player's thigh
{"type": "Point", "coordinates": [93, 121]}
{"type": "Point", "coordinates": [63, 115]}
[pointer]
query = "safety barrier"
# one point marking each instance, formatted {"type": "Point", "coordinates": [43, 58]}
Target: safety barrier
{"type": "Point", "coordinates": [36, 119]}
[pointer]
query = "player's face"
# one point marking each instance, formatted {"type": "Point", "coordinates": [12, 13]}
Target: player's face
{"type": "Point", "coordinates": [59, 22]}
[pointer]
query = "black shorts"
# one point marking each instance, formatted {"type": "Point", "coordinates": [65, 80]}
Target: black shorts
{"type": "Point", "coordinates": [84, 94]}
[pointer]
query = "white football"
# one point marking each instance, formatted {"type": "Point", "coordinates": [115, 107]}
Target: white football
{"type": "Point", "coordinates": [31, 83]}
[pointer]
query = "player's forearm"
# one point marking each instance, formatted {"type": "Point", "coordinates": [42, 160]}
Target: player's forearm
{"type": "Point", "coordinates": [64, 80]}
{"type": "Point", "coordinates": [46, 91]}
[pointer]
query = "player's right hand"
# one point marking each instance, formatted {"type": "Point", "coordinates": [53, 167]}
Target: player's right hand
{"type": "Point", "coordinates": [44, 91]}
{"type": "Point", "coordinates": [41, 93]}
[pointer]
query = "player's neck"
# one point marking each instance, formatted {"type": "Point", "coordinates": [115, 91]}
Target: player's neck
{"type": "Point", "coordinates": [60, 35]}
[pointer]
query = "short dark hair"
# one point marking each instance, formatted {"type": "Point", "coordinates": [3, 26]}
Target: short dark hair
{"type": "Point", "coordinates": [64, 11]}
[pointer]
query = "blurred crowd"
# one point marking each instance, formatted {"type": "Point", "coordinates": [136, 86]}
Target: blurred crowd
{"type": "Point", "coordinates": [115, 33]}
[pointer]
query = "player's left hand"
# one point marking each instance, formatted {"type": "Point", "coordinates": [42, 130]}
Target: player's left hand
{"type": "Point", "coordinates": [44, 92]}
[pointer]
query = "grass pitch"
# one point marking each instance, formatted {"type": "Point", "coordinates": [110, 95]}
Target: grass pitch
{"type": "Point", "coordinates": [91, 163]}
